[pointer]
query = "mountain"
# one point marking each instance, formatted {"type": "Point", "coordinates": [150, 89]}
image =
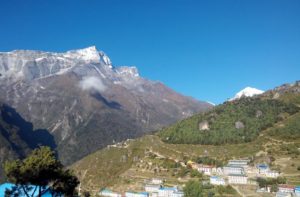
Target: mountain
{"type": "Point", "coordinates": [127, 165]}
{"type": "Point", "coordinates": [85, 103]}
{"type": "Point", "coordinates": [236, 121]}
{"type": "Point", "coordinates": [247, 92]}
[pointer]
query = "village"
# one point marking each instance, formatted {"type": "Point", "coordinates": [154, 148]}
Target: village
{"type": "Point", "coordinates": [235, 173]}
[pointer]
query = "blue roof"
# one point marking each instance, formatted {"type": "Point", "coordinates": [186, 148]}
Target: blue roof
{"type": "Point", "coordinates": [5, 186]}
{"type": "Point", "coordinates": [263, 166]}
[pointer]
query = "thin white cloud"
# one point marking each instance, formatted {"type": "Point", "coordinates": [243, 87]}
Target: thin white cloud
{"type": "Point", "coordinates": [92, 83]}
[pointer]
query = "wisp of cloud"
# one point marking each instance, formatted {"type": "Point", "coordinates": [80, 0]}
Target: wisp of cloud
{"type": "Point", "coordinates": [92, 83]}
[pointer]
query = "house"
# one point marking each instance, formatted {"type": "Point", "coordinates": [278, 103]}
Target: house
{"type": "Point", "coordinates": [233, 169]}
{"type": "Point", "coordinates": [216, 180]}
{"type": "Point", "coordinates": [286, 188]}
{"type": "Point", "coordinates": [218, 171]}
{"type": "Point", "coordinates": [297, 191]}
{"type": "Point", "coordinates": [33, 192]}
{"type": "Point", "coordinates": [156, 181]}
{"type": "Point", "coordinates": [205, 169]}
{"type": "Point", "coordinates": [152, 188]}
{"type": "Point", "coordinates": [272, 174]}
{"type": "Point", "coordinates": [237, 179]}
{"type": "Point", "coordinates": [109, 193]}
{"type": "Point", "coordinates": [166, 191]}
{"type": "Point", "coordinates": [241, 162]}
{"type": "Point", "coordinates": [136, 194]}
{"type": "Point", "coordinates": [262, 168]}
{"type": "Point", "coordinates": [283, 194]}
{"type": "Point", "coordinates": [177, 194]}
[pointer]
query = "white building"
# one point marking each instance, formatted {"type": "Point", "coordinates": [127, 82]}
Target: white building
{"type": "Point", "coordinates": [216, 180]}
{"type": "Point", "coordinates": [233, 169]}
{"type": "Point", "coordinates": [205, 169]}
{"type": "Point", "coordinates": [272, 174]}
{"type": "Point", "coordinates": [177, 194]}
{"type": "Point", "coordinates": [156, 181]}
{"type": "Point", "coordinates": [109, 193]}
{"type": "Point", "coordinates": [152, 188]}
{"type": "Point", "coordinates": [136, 194]}
{"type": "Point", "coordinates": [283, 194]}
{"type": "Point", "coordinates": [240, 162]}
{"type": "Point", "coordinates": [166, 191]}
{"type": "Point", "coordinates": [286, 188]}
{"type": "Point", "coordinates": [237, 179]}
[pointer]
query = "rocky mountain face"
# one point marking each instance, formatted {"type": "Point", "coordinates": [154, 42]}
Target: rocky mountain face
{"type": "Point", "coordinates": [81, 102]}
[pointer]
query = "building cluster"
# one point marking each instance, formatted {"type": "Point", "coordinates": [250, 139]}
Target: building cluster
{"type": "Point", "coordinates": [234, 172]}
{"type": "Point", "coordinates": [152, 188]}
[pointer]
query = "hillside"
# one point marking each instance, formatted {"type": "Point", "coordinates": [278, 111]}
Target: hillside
{"type": "Point", "coordinates": [235, 121]}
{"type": "Point", "coordinates": [17, 136]}
{"type": "Point", "coordinates": [125, 166]}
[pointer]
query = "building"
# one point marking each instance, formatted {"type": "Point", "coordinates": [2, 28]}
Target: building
{"type": "Point", "coordinates": [297, 191]}
{"type": "Point", "coordinates": [152, 188]}
{"type": "Point", "coordinates": [241, 162]}
{"type": "Point", "coordinates": [166, 191]}
{"type": "Point", "coordinates": [286, 188]}
{"type": "Point", "coordinates": [233, 169]}
{"type": "Point", "coordinates": [109, 193]}
{"type": "Point", "coordinates": [156, 181]}
{"type": "Point", "coordinates": [205, 169]}
{"type": "Point", "coordinates": [136, 194]}
{"type": "Point", "coordinates": [237, 179]}
{"type": "Point", "coordinates": [216, 180]}
{"type": "Point", "coordinates": [177, 194]}
{"type": "Point", "coordinates": [283, 194]}
{"type": "Point", "coordinates": [272, 174]}
{"type": "Point", "coordinates": [32, 192]}
{"type": "Point", "coordinates": [262, 168]}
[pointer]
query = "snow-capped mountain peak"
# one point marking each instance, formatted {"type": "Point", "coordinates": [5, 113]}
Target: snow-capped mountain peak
{"type": "Point", "coordinates": [28, 64]}
{"type": "Point", "coordinates": [247, 92]}
{"type": "Point", "coordinates": [89, 54]}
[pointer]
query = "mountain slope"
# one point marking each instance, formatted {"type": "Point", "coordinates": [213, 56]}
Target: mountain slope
{"type": "Point", "coordinates": [234, 121]}
{"type": "Point", "coordinates": [86, 103]}
{"type": "Point", "coordinates": [17, 136]}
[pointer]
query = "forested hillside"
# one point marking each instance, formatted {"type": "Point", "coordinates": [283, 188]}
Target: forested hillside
{"type": "Point", "coordinates": [238, 121]}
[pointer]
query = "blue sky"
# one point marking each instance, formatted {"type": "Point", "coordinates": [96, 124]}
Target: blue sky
{"type": "Point", "coordinates": [205, 49]}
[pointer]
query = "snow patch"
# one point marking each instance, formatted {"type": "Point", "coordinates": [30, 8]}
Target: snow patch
{"type": "Point", "coordinates": [247, 92]}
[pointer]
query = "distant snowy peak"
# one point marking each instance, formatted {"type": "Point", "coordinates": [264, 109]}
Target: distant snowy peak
{"type": "Point", "coordinates": [89, 54]}
{"type": "Point", "coordinates": [29, 64]}
{"type": "Point", "coordinates": [247, 92]}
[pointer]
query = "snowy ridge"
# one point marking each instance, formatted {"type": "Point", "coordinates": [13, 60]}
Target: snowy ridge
{"type": "Point", "coordinates": [28, 65]}
{"type": "Point", "coordinates": [247, 92]}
